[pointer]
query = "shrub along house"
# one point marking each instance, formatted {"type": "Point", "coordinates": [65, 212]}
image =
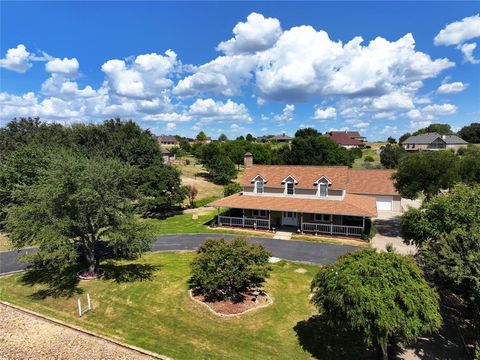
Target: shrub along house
{"type": "Point", "coordinates": [318, 199]}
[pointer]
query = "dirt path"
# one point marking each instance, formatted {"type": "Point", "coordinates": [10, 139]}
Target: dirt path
{"type": "Point", "coordinates": [24, 336]}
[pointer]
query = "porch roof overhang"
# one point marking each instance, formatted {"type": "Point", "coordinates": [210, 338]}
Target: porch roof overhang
{"type": "Point", "coordinates": [351, 205]}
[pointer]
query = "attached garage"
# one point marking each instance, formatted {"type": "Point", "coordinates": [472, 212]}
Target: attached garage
{"type": "Point", "coordinates": [384, 203]}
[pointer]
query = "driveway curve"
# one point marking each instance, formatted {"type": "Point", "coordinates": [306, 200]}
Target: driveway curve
{"type": "Point", "coordinates": [293, 250]}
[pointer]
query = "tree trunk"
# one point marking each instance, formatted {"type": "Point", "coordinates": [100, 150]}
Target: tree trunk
{"type": "Point", "coordinates": [90, 256]}
{"type": "Point", "coordinates": [383, 345]}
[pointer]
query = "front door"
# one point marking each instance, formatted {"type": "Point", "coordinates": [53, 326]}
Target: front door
{"type": "Point", "coordinates": [289, 218]}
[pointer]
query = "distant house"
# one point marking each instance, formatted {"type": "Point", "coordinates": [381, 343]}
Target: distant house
{"type": "Point", "coordinates": [347, 139]}
{"type": "Point", "coordinates": [281, 138]}
{"type": "Point", "coordinates": [433, 141]}
{"type": "Point", "coordinates": [168, 157]}
{"type": "Point", "coordinates": [167, 140]}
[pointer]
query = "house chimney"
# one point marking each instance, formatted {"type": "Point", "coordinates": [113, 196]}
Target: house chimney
{"type": "Point", "coordinates": [248, 160]}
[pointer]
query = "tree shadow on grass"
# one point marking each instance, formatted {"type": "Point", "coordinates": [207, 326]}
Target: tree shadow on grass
{"type": "Point", "coordinates": [59, 284]}
{"type": "Point", "coordinates": [324, 341]}
{"type": "Point", "coordinates": [122, 273]}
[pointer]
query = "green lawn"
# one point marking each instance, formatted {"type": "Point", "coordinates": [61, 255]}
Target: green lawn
{"type": "Point", "coordinates": [360, 163]}
{"type": "Point", "coordinates": [156, 313]}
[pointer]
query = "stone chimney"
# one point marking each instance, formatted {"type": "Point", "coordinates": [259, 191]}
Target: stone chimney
{"type": "Point", "coordinates": [248, 160]}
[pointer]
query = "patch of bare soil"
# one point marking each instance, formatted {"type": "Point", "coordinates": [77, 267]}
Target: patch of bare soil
{"type": "Point", "coordinates": [227, 307]}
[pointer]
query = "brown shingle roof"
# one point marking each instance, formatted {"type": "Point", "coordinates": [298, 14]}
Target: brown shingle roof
{"type": "Point", "coordinates": [372, 181]}
{"type": "Point", "coordinates": [365, 181]}
{"type": "Point", "coordinates": [343, 138]}
{"type": "Point", "coordinates": [305, 175]}
{"type": "Point", "coordinates": [353, 205]}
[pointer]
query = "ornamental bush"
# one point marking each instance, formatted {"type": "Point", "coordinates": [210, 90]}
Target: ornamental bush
{"type": "Point", "coordinates": [382, 296]}
{"type": "Point", "coordinates": [225, 269]}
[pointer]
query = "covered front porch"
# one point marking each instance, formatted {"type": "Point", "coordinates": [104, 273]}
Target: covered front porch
{"type": "Point", "coordinates": [296, 221]}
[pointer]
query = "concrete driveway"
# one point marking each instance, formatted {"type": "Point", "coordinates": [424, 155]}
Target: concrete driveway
{"type": "Point", "coordinates": [388, 232]}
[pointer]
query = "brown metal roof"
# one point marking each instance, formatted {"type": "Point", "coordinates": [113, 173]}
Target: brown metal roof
{"type": "Point", "coordinates": [353, 205]}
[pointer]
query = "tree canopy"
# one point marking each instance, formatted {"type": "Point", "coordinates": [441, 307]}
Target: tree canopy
{"type": "Point", "coordinates": [227, 268]}
{"type": "Point", "coordinates": [470, 133]}
{"type": "Point", "coordinates": [380, 295]}
{"type": "Point", "coordinates": [78, 200]}
{"type": "Point", "coordinates": [426, 172]}
{"type": "Point", "coordinates": [390, 156]}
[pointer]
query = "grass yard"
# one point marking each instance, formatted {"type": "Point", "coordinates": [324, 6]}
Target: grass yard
{"type": "Point", "coordinates": [156, 313]}
{"type": "Point", "coordinates": [195, 174]}
{"type": "Point", "coordinates": [5, 244]}
{"type": "Point", "coordinates": [360, 163]}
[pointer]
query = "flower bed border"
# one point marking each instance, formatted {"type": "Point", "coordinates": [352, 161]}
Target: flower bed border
{"type": "Point", "coordinates": [270, 302]}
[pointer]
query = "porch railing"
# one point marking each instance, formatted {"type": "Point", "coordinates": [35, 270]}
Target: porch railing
{"type": "Point", "coordinates": [332, 229]}
{"type": "Point", "coordinates": [243, 222]}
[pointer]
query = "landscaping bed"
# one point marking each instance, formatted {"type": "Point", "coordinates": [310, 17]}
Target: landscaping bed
{"type": "Point", "coordinates": [228, 307]}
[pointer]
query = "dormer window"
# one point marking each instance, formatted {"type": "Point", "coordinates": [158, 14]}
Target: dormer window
{"type": "Point", "coordinates": [322, 184]}
{"type": "Point", "coordinates": [290, 188]}
{"type": "Point", "coordinates": [259, 186]}
{"type": "Point", "coordinates": [323, 189]}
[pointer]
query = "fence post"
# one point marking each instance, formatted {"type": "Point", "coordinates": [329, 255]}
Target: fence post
{"type": "Point", "coordinates": [79, 308]}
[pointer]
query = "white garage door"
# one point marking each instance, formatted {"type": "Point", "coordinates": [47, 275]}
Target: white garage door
{"type": "Point", "coordinates": [384, 203]}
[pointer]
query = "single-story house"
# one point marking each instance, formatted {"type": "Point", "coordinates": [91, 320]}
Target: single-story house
{"type": "Point", "coordinates": [333, 200]}
{"type": "Point", "coordinates": [282, 138]}
{"type": "Point", "coordinates": [433, 141]}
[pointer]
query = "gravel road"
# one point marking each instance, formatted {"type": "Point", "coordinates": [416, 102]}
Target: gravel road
{"type": "Point", "coordinates": [24, 336]}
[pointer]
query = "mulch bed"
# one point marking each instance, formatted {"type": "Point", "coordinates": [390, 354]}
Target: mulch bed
{"type": "Point", "coordinates": [230, 307]}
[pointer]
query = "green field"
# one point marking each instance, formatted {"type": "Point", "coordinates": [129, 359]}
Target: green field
{"type": "Point", "coordinates": [145, 303]}
{"type": "Point", "coordinates": [360, 163]}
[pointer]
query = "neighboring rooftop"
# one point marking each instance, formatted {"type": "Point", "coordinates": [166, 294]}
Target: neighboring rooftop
{"type": "Point", "coordinates": [428, 138]}
{"type": "Point", "coordinates": [282, 137]}
{"type": "Point", "coordinates": [167, 139]}
{"type": "Point", "coordinates": [346, 138]}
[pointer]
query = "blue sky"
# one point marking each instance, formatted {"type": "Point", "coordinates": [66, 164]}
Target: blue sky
{"type": "Point", "coordinates": [382, 68]}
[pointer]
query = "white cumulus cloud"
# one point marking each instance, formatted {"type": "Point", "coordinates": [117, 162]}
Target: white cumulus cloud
{"type": "Point", "coordinates": [256, 34]}
{"type": "Point", "coordinates": [16, 59]}
{"type": "Point", "coordinates": [325, 114]}
{"type": "Point", "coordinates": [459, 31]}
{"type": "Point", "coordinates": [66, 67]}
{"type": "Point", "coordinates": [451, 88]}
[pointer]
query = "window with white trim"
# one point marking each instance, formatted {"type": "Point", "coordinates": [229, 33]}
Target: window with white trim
{"type": "Point", "coordinates": [260, 213]}
{"type": "Point", "coordinates": [290, 188]}
{"type": "Point", "coordinates": [323, 189]}
{"type": "Point", "coordinates": [259, 186]}
{"type": "Point", "coordinates": [323, 217]}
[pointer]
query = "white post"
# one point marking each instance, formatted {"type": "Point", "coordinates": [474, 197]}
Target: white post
{"type": "Point", "coordinates": [79, 308]}
{"type": "Point", "coordinates": [89, 302]}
